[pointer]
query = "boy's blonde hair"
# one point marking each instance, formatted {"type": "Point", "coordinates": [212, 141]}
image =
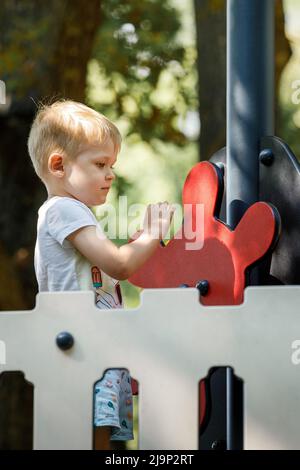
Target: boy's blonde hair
{"type": "Point", "coordinates": [67, 127]}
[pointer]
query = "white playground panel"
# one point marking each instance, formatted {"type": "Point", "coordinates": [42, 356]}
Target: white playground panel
{"type": "Point", "coordinates": [168, 344]}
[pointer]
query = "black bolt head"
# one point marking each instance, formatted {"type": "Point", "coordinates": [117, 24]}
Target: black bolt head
{"type": "Point", "coordinates": [64, 340]}
{"type": "Point", "coordinates": [266, 157]}
{"type": "Point", "coordinates": [203, 287]}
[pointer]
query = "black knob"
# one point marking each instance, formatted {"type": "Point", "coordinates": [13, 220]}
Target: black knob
{"type": "Point", "coordinates": [64, 340]}
{"type": "Point", "coordinates": [266, 157]}
{"type": "Point", "coordinates": [203, 286]}
{"type": "Point", "coordinates": [218, 445]}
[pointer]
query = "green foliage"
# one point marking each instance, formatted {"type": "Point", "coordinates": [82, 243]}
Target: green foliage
{"type": "Point", "coordinates": [140, 71]}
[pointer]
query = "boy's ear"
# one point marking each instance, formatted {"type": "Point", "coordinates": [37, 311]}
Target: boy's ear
{"type": "Point", "coordinates": [56, 164]}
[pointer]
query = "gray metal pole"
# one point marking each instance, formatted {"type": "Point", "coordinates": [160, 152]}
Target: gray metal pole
{"type": "Point", "coordinates": [250, 97]}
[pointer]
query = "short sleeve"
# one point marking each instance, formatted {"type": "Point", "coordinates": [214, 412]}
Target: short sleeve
{"type": "Point", "coordinates": [65, 216]}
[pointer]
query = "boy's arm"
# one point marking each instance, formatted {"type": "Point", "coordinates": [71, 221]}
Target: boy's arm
{"type": "Point", "coordinates": [121, 262]}
{"type": "Point", "coordinates": [118, 262]}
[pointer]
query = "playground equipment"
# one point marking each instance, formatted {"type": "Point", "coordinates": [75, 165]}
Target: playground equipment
{"type": "Point", "coordinates": [251, 338]}
{"type": "Point", "coordinates": [243, 353]}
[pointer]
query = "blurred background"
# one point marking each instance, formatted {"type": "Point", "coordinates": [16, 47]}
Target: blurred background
{"type": "Point", "coordinates": [158, 70]}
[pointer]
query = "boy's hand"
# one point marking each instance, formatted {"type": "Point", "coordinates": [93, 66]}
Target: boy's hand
{"type": "Point", "coordinates": [158, 219]}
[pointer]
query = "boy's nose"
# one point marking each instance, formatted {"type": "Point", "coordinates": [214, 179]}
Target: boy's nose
{"type": "Point", "coordinates": [110, 175]}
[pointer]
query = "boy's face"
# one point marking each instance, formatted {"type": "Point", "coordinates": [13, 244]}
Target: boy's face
{"type": "Point", "coordinates": [89, 176]}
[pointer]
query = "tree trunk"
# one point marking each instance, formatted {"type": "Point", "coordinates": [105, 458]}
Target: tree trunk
{"type": "Point", "coordinates": [74, 47]}
{"type": "Point", "coordinates": [211, 45]}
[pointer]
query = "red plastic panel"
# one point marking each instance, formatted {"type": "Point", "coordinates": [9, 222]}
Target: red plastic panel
{"type": "Point", "coordinates": [225, 254]}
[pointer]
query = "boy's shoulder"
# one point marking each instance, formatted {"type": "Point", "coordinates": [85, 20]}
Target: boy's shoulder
{"type": "Point", "coordinates": [60, 216]}
{"type": "Point", "coordinates": [61, 200]}
{"type": "Point", "coordinates": [59, 208]}
{"type": "Point", "coordinates": [62, 204]}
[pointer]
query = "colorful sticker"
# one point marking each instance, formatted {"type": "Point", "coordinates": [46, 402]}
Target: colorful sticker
{"type": "Point", "coordinates": [96, 277]}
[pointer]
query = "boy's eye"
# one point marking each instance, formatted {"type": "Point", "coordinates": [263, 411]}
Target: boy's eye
{"type": "Point", "coordinates": [102, 165]}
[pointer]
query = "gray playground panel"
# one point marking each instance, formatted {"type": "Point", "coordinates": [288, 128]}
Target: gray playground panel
{"type": "Point", "coordinates": [168, 343]}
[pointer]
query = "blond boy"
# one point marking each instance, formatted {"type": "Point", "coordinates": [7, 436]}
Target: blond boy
{"type": "Point", "coordinates": [73, 150]}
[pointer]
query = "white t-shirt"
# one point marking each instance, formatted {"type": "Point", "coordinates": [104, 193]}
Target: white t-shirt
{"type": "Point", "coordinates": [58, 265]}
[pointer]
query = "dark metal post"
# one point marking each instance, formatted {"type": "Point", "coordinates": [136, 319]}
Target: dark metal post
{"type": "Point", "coordinates": [250, 97]}
{"type": "Point", "coordinates": [250, 111]}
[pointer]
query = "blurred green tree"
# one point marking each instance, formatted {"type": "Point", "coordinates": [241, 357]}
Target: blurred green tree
{"type": "Point", "coordinates": [137, 53]}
